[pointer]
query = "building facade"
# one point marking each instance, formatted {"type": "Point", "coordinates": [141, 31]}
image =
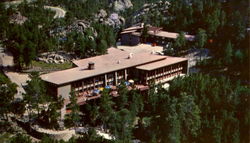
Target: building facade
{"type": "Point", "coordinates": [132, 36]}
{"type": "Point", "coordinates": [106, 71]}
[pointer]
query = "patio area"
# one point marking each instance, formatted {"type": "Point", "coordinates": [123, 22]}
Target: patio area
{"type": "Point", "coordinates": [85, 96]}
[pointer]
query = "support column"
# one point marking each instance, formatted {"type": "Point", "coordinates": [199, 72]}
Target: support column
{"type": "Point", "coordinates": [82, 85]}
{"type": "Point", "coordinates": [125, 74]}
{"type": "Point", "coordinates": [63, 112]}
{"type": "Point", "coordinates": [105, 80]}
{"type": "Point", "coordinates": [116, 79]}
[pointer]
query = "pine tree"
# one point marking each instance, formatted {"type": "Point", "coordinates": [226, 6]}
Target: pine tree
{"type": "Point", "coordinates": [35, 96]}
{"type": "Point", "coordinates": [106, 110]}
{"type": "Point", "coordinates": [102, 47]}
{"type": "Point", "coordinates": [180, 43]}
{"type": "Point", "coordinates": [7, 92]}
{"type": "Point", "coordinates": [201, 39]}
{"type": "Point", "coordinates": [73, 118]}
{"type": "Point", "coordinates": [228, 53]}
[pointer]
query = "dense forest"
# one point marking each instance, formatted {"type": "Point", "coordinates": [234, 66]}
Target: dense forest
{"type": "Point", "coordinates": [34, 36]}
{"type": "Point", "coordinates": [210, 106]}
{"type": "Point", "coordinates": [188, 112]}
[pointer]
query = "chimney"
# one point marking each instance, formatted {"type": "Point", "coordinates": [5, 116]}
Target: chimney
{"type": "Point", "coordinates": [91, 66]}
{"type": "Point", "coordinates": [153, 52]}
{"type": "Point", "coordinates": [142, 24]}
{"type": "Point", "coordinates": [130, 55]}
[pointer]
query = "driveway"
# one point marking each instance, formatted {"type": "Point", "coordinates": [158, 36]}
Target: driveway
{"type": "Point", "coordinates": [20, 79]}
{"type": "Point", "coordinates": [6, 60]}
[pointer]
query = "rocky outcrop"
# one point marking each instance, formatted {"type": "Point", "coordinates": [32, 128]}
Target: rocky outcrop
{"type": "Point", "coordinates": [78, 25]}
{"type": "Point", "coordinates": [114, 19]}
{"type": "Point", "coordinates": [55, 57]}
{"type": "Point", "coordinates": [101, 15]}
{"type": "Point", "coordinates": [121, 5]}
{"type": "Point", "coordinates": [158, 8]}
{"type": "Point", "coordinates": [17, 18]}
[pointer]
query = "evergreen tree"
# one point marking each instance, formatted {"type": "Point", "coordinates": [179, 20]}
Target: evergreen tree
{"type": "Point", "coordinates": [201, 39]}
{"type": "Point", "coordinates": [102, 47]}
{"type": "Point", "coordinates": [180, 43]}
{"type": "Point", "coordinates": [20, 138]}
{"type": "Point", "coordinates": [121, 126]}
{"type": "Point", "coordinates": [73, 118]}
{"type": "Point", "coordinates": [144, 34]}
{"type": "Point", "coordinates": [7, 92]}
{"type": "Point", "coordinates": [106, 111]}
{"type": "Point", "coordinates": [29, 53]}
{"type": "Point", "coordinates": [228, 53]}
{"type": "Point", "coordinates": [122, 101]}
{"type": "Point", "coordinates": [35, 95]}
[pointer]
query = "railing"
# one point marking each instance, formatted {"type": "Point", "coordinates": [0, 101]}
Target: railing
{"type": "Point", "coordinates": [165, 73]}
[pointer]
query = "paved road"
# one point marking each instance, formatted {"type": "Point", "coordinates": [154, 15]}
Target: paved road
{"type": "Point", "coordinates": [20, 79]}
{"type": "Point", "coordinates": [60, 13]}
{"type": "Point", "coordinates": [6, 60]}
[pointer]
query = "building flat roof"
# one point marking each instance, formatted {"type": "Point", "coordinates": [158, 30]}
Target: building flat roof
{"type": "Point", "coordinates": [141, 48]}
{"type": "Point", "coordinates": [128, 31]}
{"type": "Point", "coordinates": [133, 28]}
{"type": "Point", "coordinates": [136, 34]}
{"type": "Point", "coordinates": [153, 28]}
{"type": "Point", "coordinates": [113, 61]}
{"type": "Point", "coordinates": [170, 35]}
{"type": "Point", "coordinates": [162, 63]}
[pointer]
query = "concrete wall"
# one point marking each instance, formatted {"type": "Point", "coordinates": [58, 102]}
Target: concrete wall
{"type": "Point", "coordinates": [64, 91]}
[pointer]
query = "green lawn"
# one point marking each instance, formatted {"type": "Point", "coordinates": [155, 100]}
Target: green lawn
{"type": "Point", "coordinates": [51, 66]}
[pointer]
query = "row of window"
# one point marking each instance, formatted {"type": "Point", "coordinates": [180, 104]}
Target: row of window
{"type": "Point", "coordinates": [98, 81]}
{"type": "Point", "coordinates": [165, 69]}
{"type": "Point", "coordinates": [165, 78]}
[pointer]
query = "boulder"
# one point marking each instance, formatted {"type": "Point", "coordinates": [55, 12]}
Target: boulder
{"type": "Point", "coordinates": [121, 5]}
{"type": "Point", "coordinates": [102, 14]}
{"type": "Point", "coordinates": [161, 7]}
{"type": "Point", "coordinates": [18, 18]}
{"type": "Point", "coordinates": [61, 61]}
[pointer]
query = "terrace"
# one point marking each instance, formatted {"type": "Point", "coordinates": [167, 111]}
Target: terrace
{"type": "Point", "coordinates": [83, 97]}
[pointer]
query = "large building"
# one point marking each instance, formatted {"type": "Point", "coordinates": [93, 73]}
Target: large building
{"type": "Point", "coordinates": [133, 36]}
{"type": "Point", "coordinates": [110, 70]}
